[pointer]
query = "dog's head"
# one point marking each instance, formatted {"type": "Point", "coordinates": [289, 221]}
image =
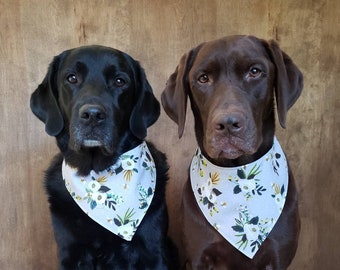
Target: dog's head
{"type": "Point", "coordinates": [95, 97]}
{"type": "Point", "coordinates": [231, 84]}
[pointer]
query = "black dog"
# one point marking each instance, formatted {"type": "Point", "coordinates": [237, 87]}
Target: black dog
{"type": "Point", "coordinates": [98, 104]}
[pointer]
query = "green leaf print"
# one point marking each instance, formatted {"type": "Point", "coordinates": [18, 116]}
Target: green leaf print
{"type": "Point", "coordinates": [119, 221]}
{"type": "Point", "coordinates": [241, 174]}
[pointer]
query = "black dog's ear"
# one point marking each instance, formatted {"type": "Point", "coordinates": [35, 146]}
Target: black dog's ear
{"type": "Point", "coordinates": [147, 109]}
{"type": "Point", "coordinates": [44, 102]}
{"type": "Point", "coordinates": [175, 95]}
{"type": "Point", "coordinates": [288, 82]}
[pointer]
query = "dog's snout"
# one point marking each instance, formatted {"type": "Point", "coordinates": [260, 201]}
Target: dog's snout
{"type": "Point", "coordinates": [231, 124]}
{"type": "Point", "coordinates": [89, 113]}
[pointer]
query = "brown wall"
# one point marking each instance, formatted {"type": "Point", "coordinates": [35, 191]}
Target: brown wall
{"type": "Point", "coordinates": [157, 33]}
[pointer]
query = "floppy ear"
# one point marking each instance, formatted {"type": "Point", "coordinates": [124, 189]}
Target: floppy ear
{"type": "Point", "coordinates": [288, 82]}
{"type": "Point", "coordinates": [175, 95]}
{"type": "Point", "coordinates": [147, 109]}
{"type": "Point", "coordinates": [44, 101]}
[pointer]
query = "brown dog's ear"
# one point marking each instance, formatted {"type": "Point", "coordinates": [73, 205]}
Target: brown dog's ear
{"type": "Point", "coordinates": [44, 102]}
{"type": "Point", "coordinates": [288, 82]}
{"type": "Point", "coordinates": [147, 109]}
{"type": "Point", "coordinates": [175, 95]}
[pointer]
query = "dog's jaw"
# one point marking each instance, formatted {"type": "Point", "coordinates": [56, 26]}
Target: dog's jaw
{"type": "Point", "coordinates": [92, 143]}
{"type": "Point", "coordinates": [230, 147]}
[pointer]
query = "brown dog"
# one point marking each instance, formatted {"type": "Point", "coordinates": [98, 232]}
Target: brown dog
{"type": "Point", "coordinates": [231, 84]}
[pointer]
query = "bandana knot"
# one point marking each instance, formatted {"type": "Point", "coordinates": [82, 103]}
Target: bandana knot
{"type": "Point", "coordinates": [242, 203]}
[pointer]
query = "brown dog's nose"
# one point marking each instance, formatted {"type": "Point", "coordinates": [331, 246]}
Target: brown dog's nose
{"type": "Point", "coordinates": [89, 113]}
{"type": "Point", "coordinates": [230, 124]}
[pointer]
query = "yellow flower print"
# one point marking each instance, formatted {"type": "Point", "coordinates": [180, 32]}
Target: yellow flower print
{"type": "Point", "coordinates": [215, 178]}
{"type": "Point", "coordinates": [128, 166]}
{"type": "Point", "coordinates": [276, 188]}
{"type": "Point", "coordinates": [101, 179]}
{"type": "Point", "coordinates": [201, 172]}
{"type": "Point", "coordinates": [279, 195]}
{"type": "Point", "coordinates": [127, 175]}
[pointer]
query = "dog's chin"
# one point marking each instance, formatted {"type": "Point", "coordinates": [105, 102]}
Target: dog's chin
{"type": "Point", "coordinates": [91, 144]}
{"type": "Point", "coordinates": [230, 149]}
{"type": "Point", "coordinates": [227, 152]}
{"type": "Point", "coordinates": [230, 153]}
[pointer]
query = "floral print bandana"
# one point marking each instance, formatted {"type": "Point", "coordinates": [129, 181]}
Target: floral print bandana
{"type": "Point", "coordinates": [118, 197]}
{"type": "Point", "coordinates": [242, 203]}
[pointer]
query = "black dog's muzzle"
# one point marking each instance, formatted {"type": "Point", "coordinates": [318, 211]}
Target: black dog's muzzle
{"type": "Point", "coordinates": [91, 126]}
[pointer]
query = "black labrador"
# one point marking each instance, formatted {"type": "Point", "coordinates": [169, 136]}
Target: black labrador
{"type": "Point", "coordinates": [231, 83]}
{"type": "Point", "coordinates": [98, 104]}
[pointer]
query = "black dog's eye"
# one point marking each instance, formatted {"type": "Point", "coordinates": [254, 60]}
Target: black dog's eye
{"type": "Point", "coordinates": [204, 78]}
{"type": "Point", "coordinates": [254, 72]}
{"type": "Point", "coordinates": [72, 78]}
{"type": "Point", "coordinates": [119, 82]}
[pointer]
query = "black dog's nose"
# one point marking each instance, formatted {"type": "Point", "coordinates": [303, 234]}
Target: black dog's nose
{"type": "Point", "coordinates": [92, 113]}
{"type": "Point", "coordinates": [232, 124]}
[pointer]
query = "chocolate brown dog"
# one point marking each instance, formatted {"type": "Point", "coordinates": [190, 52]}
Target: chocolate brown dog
{"type": "Point", "coordinates": [231, 84]}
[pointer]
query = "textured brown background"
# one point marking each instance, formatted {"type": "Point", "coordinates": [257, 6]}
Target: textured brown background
{"type": "Point", "coordinates": [157, 33]}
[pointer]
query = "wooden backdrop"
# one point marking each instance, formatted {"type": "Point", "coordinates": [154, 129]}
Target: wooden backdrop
{"type": "Point", "coordinates": [157, 33]}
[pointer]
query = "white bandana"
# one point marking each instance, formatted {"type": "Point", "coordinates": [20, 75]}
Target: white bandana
{"type": "Point", "coordinates": [118, 197]}
{"type": "Point", "coordinates": [242, 203]}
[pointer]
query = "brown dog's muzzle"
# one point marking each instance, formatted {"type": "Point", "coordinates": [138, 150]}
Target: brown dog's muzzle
{"type": "Point", "coordinates": [230, 124]}
{"type": "Point", "coordinates": [231, 127]}
{"type": "Point", "coordinates": [231, 135]}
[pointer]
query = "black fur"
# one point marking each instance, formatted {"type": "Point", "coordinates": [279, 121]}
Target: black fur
{"type": "Point", "coordinates": [113, 83]}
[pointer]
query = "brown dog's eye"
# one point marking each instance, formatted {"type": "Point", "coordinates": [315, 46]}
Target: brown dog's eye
{"type": "Point", "coordinates": [255, 72]}
{"type": "Point", "coordinates": [72, 78]}
{"type": "Point", "coordinates": [203, 78]}
{"type": "Point", "coordinates": [119, 82]}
